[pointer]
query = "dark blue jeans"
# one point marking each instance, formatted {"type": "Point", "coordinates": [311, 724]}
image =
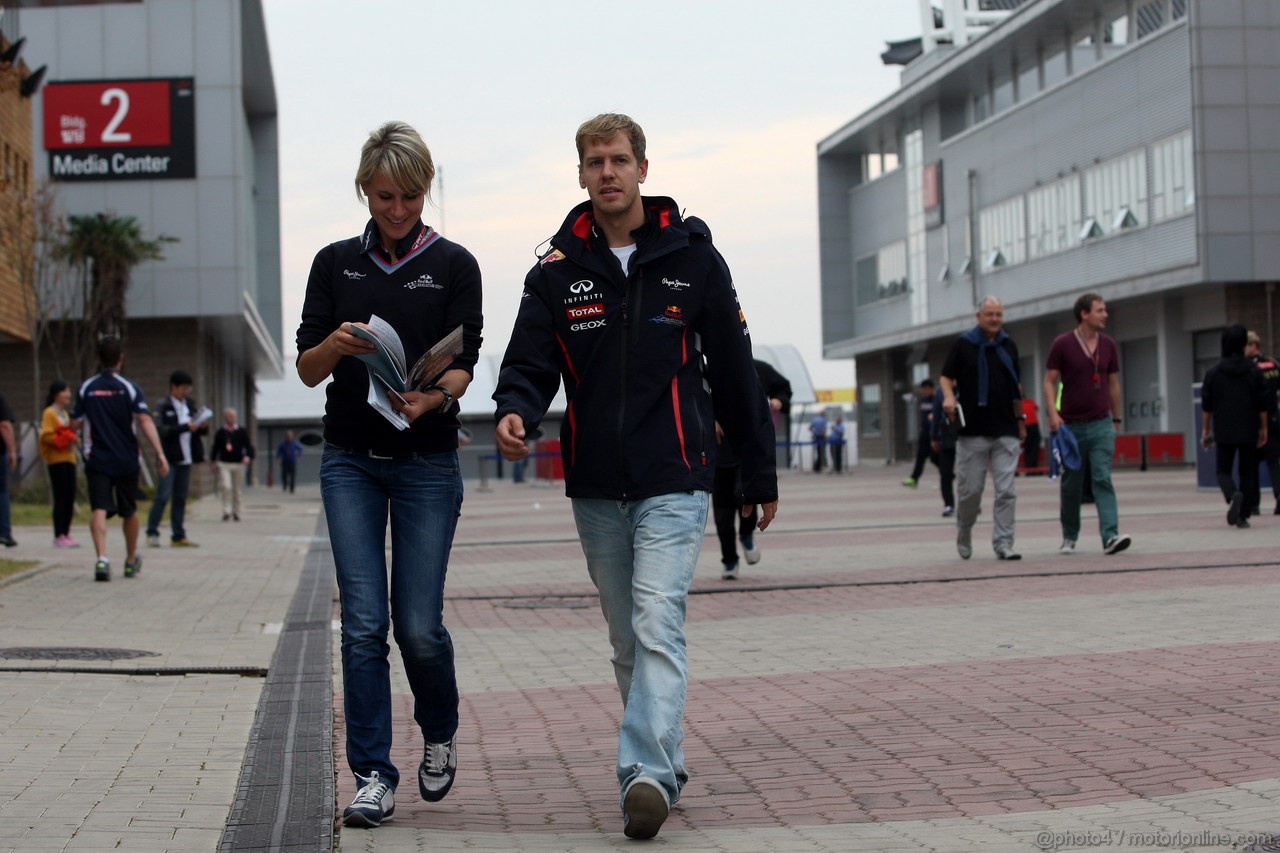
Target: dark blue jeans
{"type": "Point", "coordinates": [422, 497]}
{"type": "Point", "coordinates": [175, 486]}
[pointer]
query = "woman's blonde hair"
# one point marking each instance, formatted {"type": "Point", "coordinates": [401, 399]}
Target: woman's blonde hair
{"type": "Point", "coordinates": [397, 151]}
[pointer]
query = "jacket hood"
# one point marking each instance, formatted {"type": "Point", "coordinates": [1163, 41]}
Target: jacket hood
{"type": "Point", "coordinates": [1236, 365]}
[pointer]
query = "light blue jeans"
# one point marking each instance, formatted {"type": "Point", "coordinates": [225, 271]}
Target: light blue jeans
{"type": "Point", "coordinates": [641, 556]}
{"type": "Point", "coordinates": [423, 497]}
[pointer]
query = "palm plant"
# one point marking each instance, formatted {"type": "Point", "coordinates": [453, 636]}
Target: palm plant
{"type": "Point", "coordinates": [107, 248]}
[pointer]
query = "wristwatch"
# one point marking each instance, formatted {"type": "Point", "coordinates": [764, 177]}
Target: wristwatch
{"type": "Point", "coordinates": [448, 401]}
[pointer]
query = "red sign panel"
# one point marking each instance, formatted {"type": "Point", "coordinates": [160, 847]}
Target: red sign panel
{"type": "Point", "coordinates": [120, 130]}
{"type": "Point", "coordinates": [106, 114]}
{"type": "Point", "coordinates": [932, 195]}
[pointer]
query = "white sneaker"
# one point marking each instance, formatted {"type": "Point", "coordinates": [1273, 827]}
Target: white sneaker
{"type": "Point", "coordinates": [644, 808]}
{"type": "Point", "coordinates": [439, 766]}
{"type": "Point", "coordinates": [752, 552]}
{"type": "Point", "coordinates": [1068, 546]}
{"type": "Point", "coordinates": [730, 572]}
{"type": "Point", "coordinates": [374, 803]}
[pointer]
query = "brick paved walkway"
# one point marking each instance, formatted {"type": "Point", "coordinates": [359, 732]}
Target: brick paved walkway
{"type": "Point", "coordinates": [863, 688]}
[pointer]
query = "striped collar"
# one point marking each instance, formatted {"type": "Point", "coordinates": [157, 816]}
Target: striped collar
{"type": "Point", "coordinates": [414, 244]}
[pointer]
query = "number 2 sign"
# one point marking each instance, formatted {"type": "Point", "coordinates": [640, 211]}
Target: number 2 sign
{"type": "Point", "coordinates": [120, 129]}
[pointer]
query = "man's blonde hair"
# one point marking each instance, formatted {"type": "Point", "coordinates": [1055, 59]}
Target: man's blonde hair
{"type": "Point", "coordinates": [605, 127]}
{"type": "Point", "coordinates": [397, 151]}
{"type": "Point", "coordinates": [1253, 338]}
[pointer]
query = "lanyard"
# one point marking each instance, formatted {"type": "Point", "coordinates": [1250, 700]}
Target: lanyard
{"type": "Point", "coordinates": [1093, 357]}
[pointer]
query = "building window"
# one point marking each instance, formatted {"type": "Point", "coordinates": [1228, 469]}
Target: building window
{"type": "Point", "coordinates": [1053, 217]}
{"type": "Point", "coordinates": [1178, 9]}
{"type": "Point", "coordinates": [869, 416]}
{"type": "Point", "coordinates": [882, 275]}
{"type": "Point", "coordinates": [866, 270]}
{"type": "Point", "coordinates": [1002, 92]}
{"type": "Point", "coordinates": [1002, 234]}
{"type": "Point", "coordinates": [1206, 348]}
{"type": "Point", "coordinates": [1115, 193]}
{"type": "Point", "coordinates": [1115, 27]}
{"type": "Point", "coordinates": [1172, 181]}
{"type": "Point", "coordinates": [1150, 17]}
{"type": "Point", "coordinates": [1055, 65]}
{"type": "Point", "coordinates": [1029, 78]}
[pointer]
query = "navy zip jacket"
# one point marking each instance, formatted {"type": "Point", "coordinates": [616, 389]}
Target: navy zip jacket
{"type": "Point", "coordinates": [630, 349]}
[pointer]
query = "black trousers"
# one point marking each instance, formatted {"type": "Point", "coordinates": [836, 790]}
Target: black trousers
{"type": "Point", "coordinates": [1271, 455]}
{"type": "Point", "coordinates": [288, 476]}
{"type": "Point", "coordinates": [947, 474]}
{"type": "Point", "coordinates": [924, 452]}
{"type": "Point", "coordinates": [1247, 454]}
{"type": "Point", "coordinates": [726, 505]}
{"type": "Point", "coordinates": [1031, 449]}
{"type": "Point", "coordinates": [62, 480]}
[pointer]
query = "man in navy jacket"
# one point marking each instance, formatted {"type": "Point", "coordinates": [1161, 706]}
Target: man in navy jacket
{"type": "Point", "coordinates": [635, 310]}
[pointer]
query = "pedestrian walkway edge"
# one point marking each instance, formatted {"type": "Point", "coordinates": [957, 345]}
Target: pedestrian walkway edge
{"type": "Point", "coordinates": [286, 793]}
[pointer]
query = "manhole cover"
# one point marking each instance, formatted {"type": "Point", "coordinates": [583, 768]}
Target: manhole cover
{"type": "Point", "coordinates": [548, 604]}
{"type": "Point", "coordinates": [72, 653]}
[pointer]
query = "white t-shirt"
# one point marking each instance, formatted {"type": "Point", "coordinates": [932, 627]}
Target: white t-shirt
{"type": "Point", "coordinates": [184, 438]}
{"type": "Point", "coordinates": [623, 254]}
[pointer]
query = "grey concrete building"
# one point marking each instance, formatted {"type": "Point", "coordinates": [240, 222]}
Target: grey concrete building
{"type": "Point", "coordinates": [165, 110]}
{"type": "Point", "coordinates": [1128, 147]}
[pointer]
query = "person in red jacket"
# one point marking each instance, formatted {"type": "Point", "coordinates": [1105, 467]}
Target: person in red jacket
{"type": "Point", "coordinates": [623, 309]}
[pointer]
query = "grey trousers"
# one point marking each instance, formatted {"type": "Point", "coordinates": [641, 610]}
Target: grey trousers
{"type": "Point", "coordinates": [974, 454]}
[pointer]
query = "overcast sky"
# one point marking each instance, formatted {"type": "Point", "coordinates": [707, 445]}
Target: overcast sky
{"type": "Point", "coordinates": [733, 96]}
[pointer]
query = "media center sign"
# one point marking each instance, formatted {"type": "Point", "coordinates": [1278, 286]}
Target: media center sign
{"type": "Point", "coordinates": [120, 130]}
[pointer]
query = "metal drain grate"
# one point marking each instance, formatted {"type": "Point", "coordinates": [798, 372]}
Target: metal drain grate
{"type": "Point", "coordinates": [72, 653]}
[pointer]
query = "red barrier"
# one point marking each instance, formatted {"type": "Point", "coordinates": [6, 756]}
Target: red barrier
{"type": "Point", "coordinates": [1165, 448]}
{"type": "Point", "coordinates": [1128, 451]}
{"type": "Point", "coordinates": [549, 467]}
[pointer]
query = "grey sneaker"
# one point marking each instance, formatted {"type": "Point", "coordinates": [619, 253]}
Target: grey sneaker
{"type": "Point", "coordinates": [1068, 546]}
{"type": "Point", "coordinates": [964, 544]}
{"type": "Point", "coordinates": [644, 808]}
{"type": "Point", "coordinates": [102, 570]}
{"type": "Point", "coordinates": [133, 568]}
{"type": "Point", "coordinates": [153, 541]}
{"type": "Point", "coordinates": [1004, 552]}
{"type": "Point", "coordinates": [374, 802]}
{"type": "Point", "coordinates": [439, 766]}
{"type": "Point", "coordinates": [1116, 544]}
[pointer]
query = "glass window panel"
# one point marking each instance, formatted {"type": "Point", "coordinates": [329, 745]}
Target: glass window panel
{"type": "Point", "coordinates": [1150, 17]}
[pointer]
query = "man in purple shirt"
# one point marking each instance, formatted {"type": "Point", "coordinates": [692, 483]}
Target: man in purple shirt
{"type": "Point", "coordinates": [1086, 362]}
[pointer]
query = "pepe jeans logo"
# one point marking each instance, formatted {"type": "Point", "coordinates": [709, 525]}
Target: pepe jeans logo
{"type": "Point", "coordinates": [583, 286]}
{"type": "Point", "coordinates": [424, 281]}
{"type": "Point", "coordinates": [675, 283]}
{"type": "Point", "coordinates": [350, 274]}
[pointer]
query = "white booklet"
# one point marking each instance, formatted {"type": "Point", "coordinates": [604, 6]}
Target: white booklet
{"type": "Point", "coordinates": [387, 371]}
